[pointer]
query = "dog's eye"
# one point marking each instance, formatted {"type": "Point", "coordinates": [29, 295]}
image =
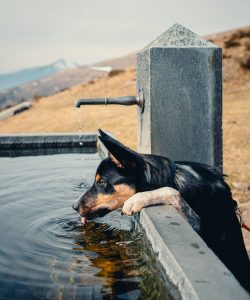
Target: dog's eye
{"type": "Point", "coordinates": [102, 182]}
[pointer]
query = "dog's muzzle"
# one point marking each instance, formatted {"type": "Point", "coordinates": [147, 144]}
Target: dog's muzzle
{"type": "Point", "coordinates": [79, 208]}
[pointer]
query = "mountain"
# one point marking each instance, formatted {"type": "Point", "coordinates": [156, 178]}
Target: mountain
{"type": "Point", "coordinates": [120, 63]}
{"type": "Point", "coordinates": [27, 75]}
{"type": "Point", "coordinates": [63, 79]}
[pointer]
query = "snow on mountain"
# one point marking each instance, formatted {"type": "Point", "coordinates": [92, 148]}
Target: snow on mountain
{"type": "Point", "coordinates": [62, 75]}
{"type": "Point", "coordinates": [62, 64]}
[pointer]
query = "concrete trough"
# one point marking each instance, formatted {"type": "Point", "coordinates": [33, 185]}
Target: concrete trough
{"type": "Point", "coordinates": [40, 144]}
{"type": "Point", "coordinates": [191, 269]}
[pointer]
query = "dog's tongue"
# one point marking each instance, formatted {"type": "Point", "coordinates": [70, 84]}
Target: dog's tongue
{"type": "Point", "coordinates": [83, 220]}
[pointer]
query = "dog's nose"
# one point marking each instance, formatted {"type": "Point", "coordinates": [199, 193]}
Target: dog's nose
{"type": "Point", "coordinates": [79, 207]}
{"type": "Point", "coordinates": [75, 206]}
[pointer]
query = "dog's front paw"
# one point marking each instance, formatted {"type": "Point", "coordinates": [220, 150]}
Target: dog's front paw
{"type": "Point", "coordinates": [134, 204]}
{"type": "Point", "coordinates": [165, 195]}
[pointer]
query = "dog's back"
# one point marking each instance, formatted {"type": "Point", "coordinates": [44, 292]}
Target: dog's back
{"type": "Point", "coordinates": [205, 190]}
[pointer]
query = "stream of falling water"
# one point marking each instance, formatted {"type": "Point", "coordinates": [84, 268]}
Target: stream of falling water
{"type": "Point", "coordinates": [80, 124]}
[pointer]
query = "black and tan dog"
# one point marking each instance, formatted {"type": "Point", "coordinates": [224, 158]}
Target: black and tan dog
{"type": "Point", "coordinates": [131, 180]}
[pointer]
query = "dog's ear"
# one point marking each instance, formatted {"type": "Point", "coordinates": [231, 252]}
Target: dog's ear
{"type": "Point", "coordinates": [114, 160]}
{"type": "Point", "coordinates": [121, 155]}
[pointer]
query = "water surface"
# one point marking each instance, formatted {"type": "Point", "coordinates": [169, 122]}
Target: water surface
{"type": "Point", "coordinates": [46, 253]}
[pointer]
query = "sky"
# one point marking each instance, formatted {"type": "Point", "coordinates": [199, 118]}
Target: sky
{"type": "Point", "coordinates": [38, 32]}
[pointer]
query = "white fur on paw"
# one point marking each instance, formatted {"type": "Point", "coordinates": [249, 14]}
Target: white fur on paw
{"type": "Point", "coordinates": [133, 204]}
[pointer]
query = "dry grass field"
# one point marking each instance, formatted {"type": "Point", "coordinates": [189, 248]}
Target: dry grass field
{"type": "Point", "coordinates": [57, 114]}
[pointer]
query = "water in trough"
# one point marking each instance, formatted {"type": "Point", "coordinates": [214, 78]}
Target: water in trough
{"type": "Point", "coordinates": [46, 253]}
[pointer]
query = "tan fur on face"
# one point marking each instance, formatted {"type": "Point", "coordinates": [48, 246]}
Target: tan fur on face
{"type": "Point", "coordinates": [115, 200]}
{"type": "Point", "coordinates": [97, 177]}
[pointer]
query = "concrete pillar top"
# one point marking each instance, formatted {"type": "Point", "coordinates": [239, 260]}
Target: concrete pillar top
{"type": "Point", "coordinates": [181, 37]}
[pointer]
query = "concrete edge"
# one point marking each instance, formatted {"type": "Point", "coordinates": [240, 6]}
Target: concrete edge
{"type": "Point", "coordinates": [5, 114]}
{"type": "Point", "coordinates": [189, 264]}
{"type": "Point", "coordinates": [47, 141]}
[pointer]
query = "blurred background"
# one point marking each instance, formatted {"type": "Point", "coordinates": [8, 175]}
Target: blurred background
{"type": "Point", "coordinates": [54, 52]}
{"type": "Point", "coordinates": [84, 32]}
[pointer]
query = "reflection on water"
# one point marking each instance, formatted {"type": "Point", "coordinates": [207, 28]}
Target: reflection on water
{"type": "Point", "coordinates": [46, 253]}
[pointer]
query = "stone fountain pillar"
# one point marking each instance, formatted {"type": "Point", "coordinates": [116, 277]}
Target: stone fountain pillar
{"type": "Point", "coordinates": [180, 74]}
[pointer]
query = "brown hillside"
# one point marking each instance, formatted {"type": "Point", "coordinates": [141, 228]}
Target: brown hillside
{"type": "Point", "coordinates": [56, 113]}
{"type": "Point", "coordinates": [236, 55]}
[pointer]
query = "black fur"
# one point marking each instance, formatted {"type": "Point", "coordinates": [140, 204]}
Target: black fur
{"type": "Point", "coordinates": [202, 187]}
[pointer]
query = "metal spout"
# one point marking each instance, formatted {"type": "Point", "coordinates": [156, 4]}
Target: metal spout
{"type": "Point", "coordinates": [126, 100]}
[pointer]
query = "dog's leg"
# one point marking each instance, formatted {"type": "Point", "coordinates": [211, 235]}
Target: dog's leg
{"type": "Point", "coordinates": [165, 195]}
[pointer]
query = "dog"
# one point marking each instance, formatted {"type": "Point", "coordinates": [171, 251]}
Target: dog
{"type": "Point", "coordinates": [132, 181]}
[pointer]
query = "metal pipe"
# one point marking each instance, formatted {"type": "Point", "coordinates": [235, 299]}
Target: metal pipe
{"type": "Point", "coordinates": [126, 100]}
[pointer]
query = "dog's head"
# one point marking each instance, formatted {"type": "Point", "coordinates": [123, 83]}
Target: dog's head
{"type": "Point", "coordinates": [118, 177]}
